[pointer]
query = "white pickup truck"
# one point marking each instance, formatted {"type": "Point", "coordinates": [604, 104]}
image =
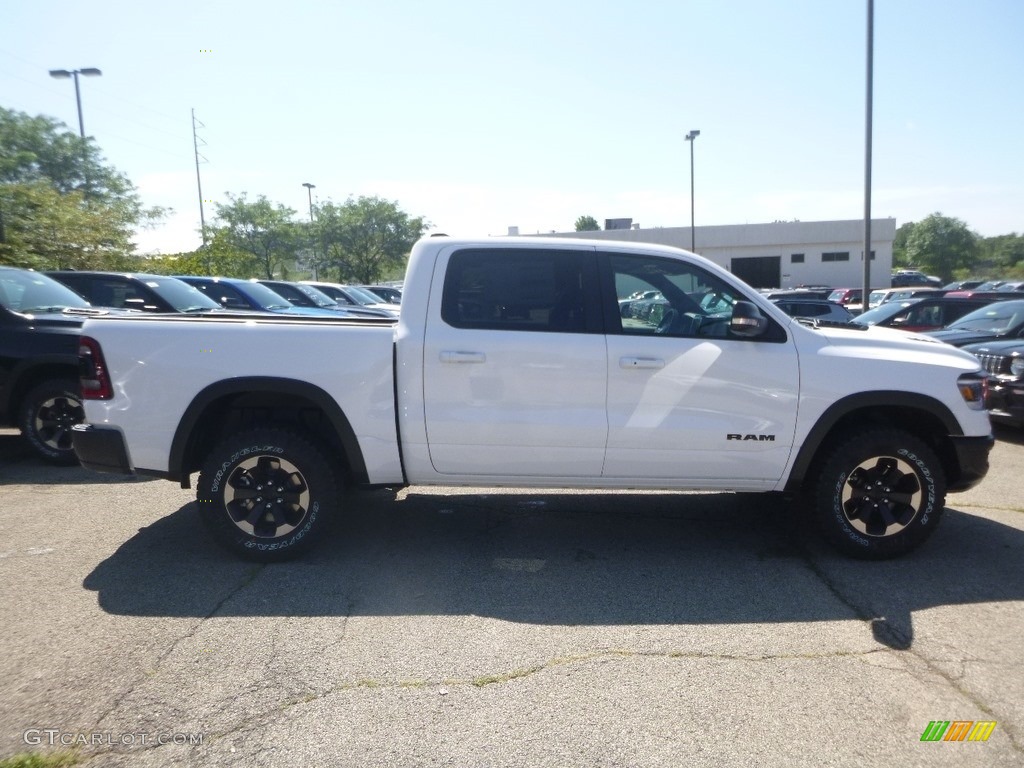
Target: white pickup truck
{"type": "Point", "coordinates": [539, 363]}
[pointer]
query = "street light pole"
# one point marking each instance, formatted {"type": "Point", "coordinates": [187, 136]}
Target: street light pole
{"type": "Point", "coordinates": [309, 188]}
{"type": "Point", "coordinates": [74, 73]}
{"type": "Point", "coordinates": [691, 137]}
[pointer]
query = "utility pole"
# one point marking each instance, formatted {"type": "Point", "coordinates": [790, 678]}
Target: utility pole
{"type": "Point", "coordinates": [691, 137]}
{"type": "Point", "coordinates": [199, 181]}
{"type": "Point", "coordinates": [309, 189]}
{"type": "Point", "coordinates": [867, 156]}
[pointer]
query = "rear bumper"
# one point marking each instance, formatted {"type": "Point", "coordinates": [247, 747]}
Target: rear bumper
{"type": "Point", "coordinates": [972, 458]}
{"type": "Point", "coordinates": [100, 449]}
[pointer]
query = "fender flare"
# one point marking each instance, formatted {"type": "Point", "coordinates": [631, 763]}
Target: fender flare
{"type": "Point", "coordinates": [265, 384]}
{"type": "Point", "coordinates": [859, 401]}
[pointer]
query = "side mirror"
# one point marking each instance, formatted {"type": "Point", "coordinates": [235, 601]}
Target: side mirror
{"type": "Point", "coordinates": [747, 321]}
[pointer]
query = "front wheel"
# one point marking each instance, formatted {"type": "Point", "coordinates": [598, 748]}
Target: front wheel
{"type": "Point", "coordinates": [267, 494]}
{"type": "Point", "coordinates": [47, 415]}
{"type": "Point", "coordinates": [879, 493]}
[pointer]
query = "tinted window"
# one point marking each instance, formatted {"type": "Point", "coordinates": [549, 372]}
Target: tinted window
{"type": "Point", "coordinates": [528, 290]}
{"type": "Point", "coordinates": [223, 294]}
{"type": "Point", "coordinates": [684, 300]}
{"type": "Point", "coordinates": [25, 291]}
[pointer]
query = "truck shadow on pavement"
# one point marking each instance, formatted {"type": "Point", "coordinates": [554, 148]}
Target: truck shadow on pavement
{"type": "Point", "coordinates": [20, 466]}
{"type": "Point", "coordinates": [570, 559]}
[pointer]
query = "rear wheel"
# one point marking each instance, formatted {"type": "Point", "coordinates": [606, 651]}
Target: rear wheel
{"type": "Point", "coordinates": [267, 494]}
{"type": "Point", "coordinates": [47, 414]}
{"type": "Point", "coordinates": [879, 493]}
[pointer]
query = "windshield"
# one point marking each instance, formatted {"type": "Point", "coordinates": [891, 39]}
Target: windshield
{"type": "Point", "coordinates": [263, 296]}
{"type": "Point", "coordinates": [24, 291]}
{"type": "Point", "coordinates": [363, 296]}
{"type": "Point", "coordinates": [882, 313]}
{"type": "Point", "coordinates": [318, 297]}
{"type": "Point", "coordinates": [182, 296]}
{"type": "Point", "coordinates": [995, 318]}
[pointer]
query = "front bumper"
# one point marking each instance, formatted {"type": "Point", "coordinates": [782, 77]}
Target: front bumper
{"type": "Point", "coordinates": [1006, 402]}
{"type": "Point", "coordinates": [972, 458]}
{"type": "Point", "coordinates": [100, 449]}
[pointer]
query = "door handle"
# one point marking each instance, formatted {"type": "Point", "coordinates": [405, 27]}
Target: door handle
{"type": "Point", "coordinates": [463, 357]}
{"type": "Point", "coordinates": [641, 362]}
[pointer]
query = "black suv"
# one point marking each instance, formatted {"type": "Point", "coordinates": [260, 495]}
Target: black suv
{"type": "Point", "coordinates": [1004, 362]}
{"type": "Point", "coordinates": [147, 293]}
{"type": "Point", "coordinates": [40, 321]}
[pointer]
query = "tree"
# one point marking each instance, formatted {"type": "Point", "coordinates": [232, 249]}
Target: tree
{"type": "Point", "coordinates": [899, 245]}
{"type": "Point", "coordinates": [587, 224]}
{"type": "Point", "coordinates": [60, 204]}
{"type": "Point", "coordinates": [1003, 254]}
{"type": "Point", "coordinates": [260, 229]}
{"type": "Point", "coordinates": [941, 245]}
{"type": "Point", "coordinates": [366, 237]}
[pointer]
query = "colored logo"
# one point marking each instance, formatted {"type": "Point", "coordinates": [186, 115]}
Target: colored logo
{"type": "Point", "coordinates": [958, 730]}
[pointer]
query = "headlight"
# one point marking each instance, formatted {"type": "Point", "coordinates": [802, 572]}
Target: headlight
{"type": "Point", "coordinates": [974, 389]}
{"type": "Point", "coordinates": [1017, 366]}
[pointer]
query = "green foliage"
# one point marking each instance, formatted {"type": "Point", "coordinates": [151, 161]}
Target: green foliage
{"type": "Point", "coordinates": [1004, 254]}
{"type": "Point", "coordinates": [940, 245]}
{"type": "Point", "coordinates": [58, 759]}
{"type": "Point", "coordinates": [60, 205]}
{"type": "Point", "coordinates": [366, 238]}
{"type": "Point", "coordinates": [260, 230]}
{"type": "Point", "coordinates": [587, 224]}
{"type": "Point", "coordinates": [899, 245]}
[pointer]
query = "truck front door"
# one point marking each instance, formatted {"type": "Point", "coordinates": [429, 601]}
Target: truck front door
{"type": "Point", "coordinates": [687, 403]}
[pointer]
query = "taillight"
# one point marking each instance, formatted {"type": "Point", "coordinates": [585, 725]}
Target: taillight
{"type": "Point", "coordinates": [92, 371]}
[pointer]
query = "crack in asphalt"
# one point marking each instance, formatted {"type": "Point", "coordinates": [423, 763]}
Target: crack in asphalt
{"type": "Point", "coordinates": [253, 574]}
{"type": "Point", "coordinates": [888, 634]}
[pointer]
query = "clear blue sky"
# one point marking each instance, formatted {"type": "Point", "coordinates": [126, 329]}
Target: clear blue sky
{"type": "Point", "coordinates": [481, 115]}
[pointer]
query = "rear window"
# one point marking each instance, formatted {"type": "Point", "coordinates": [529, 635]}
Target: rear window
{"type": "Point", "coordinates": [527, 290]}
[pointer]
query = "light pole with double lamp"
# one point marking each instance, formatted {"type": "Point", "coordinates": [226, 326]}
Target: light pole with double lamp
{"type": "Point", "coordinates": [691, 137]}
{"type": "Point", "coordinates": [64, 73]}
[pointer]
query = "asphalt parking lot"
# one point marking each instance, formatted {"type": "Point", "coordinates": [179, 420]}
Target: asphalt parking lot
{"type": "Point", "coordinates": [440, 627]}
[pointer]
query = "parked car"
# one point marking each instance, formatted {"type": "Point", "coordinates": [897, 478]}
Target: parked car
{"type": "Point", "coordinates": [40, 320]}
{"type": "Point", "coordinates": [1014, 286]}
{"type": "Point", "coordinates": [147, 293]}
{"type": "Point", "coordinates": [962, 285]}
{"type": "Point", "coordinates": [387, 293]}
{"type": "Point", "coordinates": [881, 296]}
{"type": "Point", "coordinates": [817, 309]}
{"type": "Point", "coordinates": [302, 295]}
{"type": "Point", "coordinates": [806, 292]}
{"type": "Point", "coordinates": [347, 295]}
{"type": "Point", "coordinates": [851, 298]}
{"type": "Point", "coordinates": [905, 277]}
{"type": "Point", "coordinates": [233, 293]}
{"type": "Point", "coordinates": [998, 320]}
{"type": "Point", "coordinates": [1004, 362]}
{"type": "Point", "coordinates": [927, 314]}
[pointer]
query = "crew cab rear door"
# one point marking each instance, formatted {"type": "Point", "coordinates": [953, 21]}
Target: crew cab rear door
{"type": "Point", "coordinates": [688, 403]}
{"type": "Point", "coordinates": [514, 371]}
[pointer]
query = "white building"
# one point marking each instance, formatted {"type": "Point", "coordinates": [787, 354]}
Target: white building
{"type": "Point", "coordinates": [783, 254]}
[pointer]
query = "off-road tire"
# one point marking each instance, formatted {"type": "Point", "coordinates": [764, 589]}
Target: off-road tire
{"type": "Point", "coordinates": [267, 494]}
{"type": "Point", "coordinates": [879, 493]}
{"type": "Point", "coordinates": [46, 416]}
